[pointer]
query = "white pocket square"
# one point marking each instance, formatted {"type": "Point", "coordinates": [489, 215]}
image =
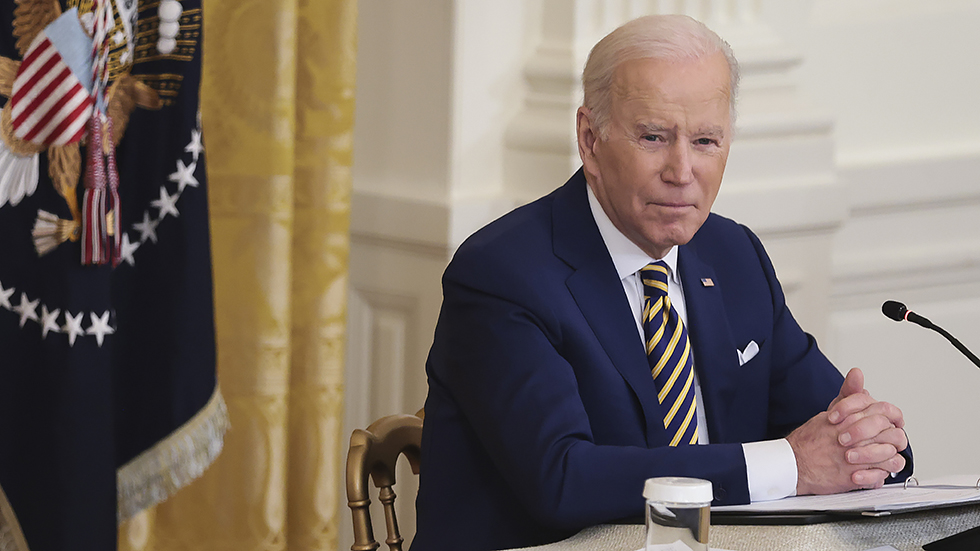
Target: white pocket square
{"type": "Point", "coordinates": [750, 351]}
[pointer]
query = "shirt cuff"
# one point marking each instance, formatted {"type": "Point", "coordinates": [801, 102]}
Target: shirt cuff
{"type": "Point", "coordinates": [770, 468]}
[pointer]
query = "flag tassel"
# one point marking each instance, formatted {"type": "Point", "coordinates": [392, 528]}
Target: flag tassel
{"type": "Point", "coordinates": [96, 201]}
{"type": "Point", "coordinates": [114, 233]}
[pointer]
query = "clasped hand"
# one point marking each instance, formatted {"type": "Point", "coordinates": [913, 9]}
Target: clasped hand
{"type": "Point", "coordinates": [854, 444]}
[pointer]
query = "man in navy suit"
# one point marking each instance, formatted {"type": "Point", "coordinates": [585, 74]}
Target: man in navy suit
{"type": "Point", "coordinates": [545, 412]}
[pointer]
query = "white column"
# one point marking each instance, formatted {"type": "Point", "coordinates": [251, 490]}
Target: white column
{"type": "Point", "coordinates": [539, 142]}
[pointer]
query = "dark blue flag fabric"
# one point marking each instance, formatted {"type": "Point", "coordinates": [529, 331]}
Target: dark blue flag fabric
{"type": "Point", "coordinates": [108, 396]}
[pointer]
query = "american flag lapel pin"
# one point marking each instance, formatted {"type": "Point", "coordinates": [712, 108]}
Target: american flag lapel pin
{"type": "Point", "coordinates": [707, 282]}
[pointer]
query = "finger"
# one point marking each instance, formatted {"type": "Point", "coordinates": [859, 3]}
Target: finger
{"type": "Point", "coordinates": [894, 436]}
{"type": "Point", "coordinates": [844, 407]}
{"type": "Point", "coordinates": [872, 454]}
{"type": "Point", "coordinates": [865, 429]}
{"type": "Point", "coordinates": [889, 411]}
{"type": "Point", "coordinates": [892, 465]}
{"type": "Point", "coordinates": [903, 441]}
{"type": "Point", "coordinates": [869, 478]}
{"type": "Point", "coordinates": [853, 384]}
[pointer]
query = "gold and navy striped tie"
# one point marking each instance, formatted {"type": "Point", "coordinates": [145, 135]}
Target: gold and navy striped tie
{"type": "Point", "coordinates": [670, 356]}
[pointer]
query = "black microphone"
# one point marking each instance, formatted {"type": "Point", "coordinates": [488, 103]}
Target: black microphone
{"type": "Point", "coordinates": [899, 312]}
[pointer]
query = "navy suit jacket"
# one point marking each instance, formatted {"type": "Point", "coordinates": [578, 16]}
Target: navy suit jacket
{"type": "Point", "coordinates": [542, 416]}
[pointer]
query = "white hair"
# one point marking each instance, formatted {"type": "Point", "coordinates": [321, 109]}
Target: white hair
{"type": "Point", "coordinates": [653, 36]}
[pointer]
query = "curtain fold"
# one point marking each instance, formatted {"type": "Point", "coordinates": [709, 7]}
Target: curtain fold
{"type": "Point", "coordinates": [278, 106]}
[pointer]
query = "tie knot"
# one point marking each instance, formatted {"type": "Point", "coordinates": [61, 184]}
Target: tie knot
{"type": "Point", "coordinates": [654, 277]}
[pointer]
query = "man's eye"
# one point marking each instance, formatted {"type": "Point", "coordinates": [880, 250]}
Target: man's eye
{"type": "Point", "coordinates": [704, 141]}
{"type": "Point", "coordinates": [653, 138]}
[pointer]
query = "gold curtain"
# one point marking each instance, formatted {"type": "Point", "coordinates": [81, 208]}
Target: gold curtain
{"type": "Point", "coordinates": [277, 105]}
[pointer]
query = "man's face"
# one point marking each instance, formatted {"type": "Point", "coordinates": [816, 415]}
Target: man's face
{"type": "Point", "coordinates": [658, 170]}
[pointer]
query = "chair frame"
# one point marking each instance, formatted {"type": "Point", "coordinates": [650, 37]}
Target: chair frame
{"type": "Point", "coordinates": [375, 452]}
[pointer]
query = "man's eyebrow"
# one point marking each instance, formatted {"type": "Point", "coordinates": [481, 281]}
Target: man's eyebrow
{"type": "Point", "coordinates": [650, 128]}
{"type": "Point", "coordinates": [714, 131]}
{"type": "Point", "coordinates": [646, 128]}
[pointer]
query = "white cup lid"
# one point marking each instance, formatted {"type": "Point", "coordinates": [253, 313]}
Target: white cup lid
{"type": "Point", "coordinates": [677, 489]}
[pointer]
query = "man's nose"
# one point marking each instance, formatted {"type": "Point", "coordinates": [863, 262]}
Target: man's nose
{"type": "Point", "coordinates": [678, 169]}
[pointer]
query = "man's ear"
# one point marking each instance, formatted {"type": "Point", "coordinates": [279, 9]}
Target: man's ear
{"type": "Point", "coordinates": [587, 136]}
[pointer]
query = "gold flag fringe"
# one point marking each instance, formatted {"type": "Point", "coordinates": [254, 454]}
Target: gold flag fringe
{"type": "Point", "coordinates": [156, 474]}
{"type": "Point", "coordinates": [11, 536]}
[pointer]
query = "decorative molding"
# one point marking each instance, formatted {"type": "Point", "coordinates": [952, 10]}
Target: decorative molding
{"type": "Point", "coordinates": [924, 194]}
{"type": "Point", "coordinates": [380, 343]}
{"type": "Point", "coordinates": [902, 181]}
{"type": "Point", "coordinates": [907, 268]}
{"type": "Point", "coordinates": [781, 125]}
{"type": "Point", "coordinates": [547, 123]}
{"type": "Point", "coordinates": [949, 282]}
{"type": "Point", "coordinates": [390, 340]}
{"type": "Point", "coordinates": [426, 228]}
{"type": "Point", "coordinates": [788, 207]}
{"type": "Point", "coordinates": [400, 222]}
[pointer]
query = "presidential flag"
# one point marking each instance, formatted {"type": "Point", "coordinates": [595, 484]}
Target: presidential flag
{"type": "Point", "coordinates": [108, 396]}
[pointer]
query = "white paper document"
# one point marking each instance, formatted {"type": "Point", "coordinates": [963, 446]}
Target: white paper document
{"type": "Point", "coordinates": [893, 498]}
{"type": "Point", "coordinates": [676, 546]}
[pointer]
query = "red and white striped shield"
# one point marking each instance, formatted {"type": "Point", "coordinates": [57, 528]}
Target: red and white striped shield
{"type": "Point", "coordinates": [51, 98]}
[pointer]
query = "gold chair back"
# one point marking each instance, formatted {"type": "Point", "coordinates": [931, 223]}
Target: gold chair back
{"type": "Point", "coordinates": [375, 452]}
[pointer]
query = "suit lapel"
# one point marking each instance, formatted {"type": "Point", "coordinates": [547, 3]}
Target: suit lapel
{"type": "Point", "coordinates": [596, 288]}
{"type": "Point", "coordinates": [715, 356]}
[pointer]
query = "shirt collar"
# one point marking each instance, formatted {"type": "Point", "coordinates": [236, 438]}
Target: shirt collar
{"type": "Point", "coordinates": [627, 257]}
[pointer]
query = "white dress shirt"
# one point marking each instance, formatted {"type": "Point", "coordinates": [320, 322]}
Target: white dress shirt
{"type": "Point", "coordinates": [770, 465]}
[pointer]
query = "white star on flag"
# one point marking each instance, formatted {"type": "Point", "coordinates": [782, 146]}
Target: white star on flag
{"type": "Point", "coordinates": [128, 248]}
{"type": "Point", "coordinates": [73, 326]}
{"type": "Point", "coordinates": [195, 148]}
{"type": "Point", "coordinates": [166, 203]}
{"type": "Point", "coordinates": [100, 327]}
{"type": "Point", "coordinates": [147, 228]}
{"type": "Point", "coordinates": [185, 175]}
{"type": "Point", "coordinates": [49, 321]}
{"type": "Point", "coordinates": [5, 297]}
{"type": "Point", "coordinates": [26, 309]}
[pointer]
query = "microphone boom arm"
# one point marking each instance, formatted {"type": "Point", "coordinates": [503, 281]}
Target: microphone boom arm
{"type": "Point", "coordinates": [959, 346]}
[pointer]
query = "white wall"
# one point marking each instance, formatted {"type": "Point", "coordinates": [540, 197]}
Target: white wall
{"type": "Point", "coordinates": [863, 179]}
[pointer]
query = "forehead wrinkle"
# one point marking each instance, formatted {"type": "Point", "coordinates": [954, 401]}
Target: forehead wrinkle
{"type": "Point", "coordinates": [652, 105]}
